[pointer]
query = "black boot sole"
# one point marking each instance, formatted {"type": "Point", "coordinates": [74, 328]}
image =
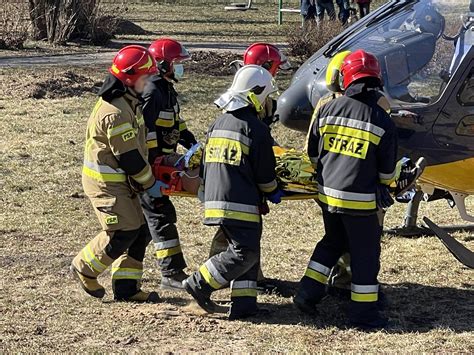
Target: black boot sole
{"type": "Point", "coordinates": [203, 302]}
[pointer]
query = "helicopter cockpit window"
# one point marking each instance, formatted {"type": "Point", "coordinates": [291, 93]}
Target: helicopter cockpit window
{"type": "Point", "coordinates": [466, 96]}
{"type": "Point", "coordinates": [414, 48]}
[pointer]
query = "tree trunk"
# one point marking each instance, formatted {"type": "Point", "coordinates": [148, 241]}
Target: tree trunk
{"type": "Point", "coordinates": [38, 19]}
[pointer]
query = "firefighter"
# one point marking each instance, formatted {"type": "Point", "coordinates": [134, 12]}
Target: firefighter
{"type": "Point", "coordinates": [271, 58]}
{"type": "Point", "coordinates": [238, 171]}
{"type": "Point", "coordinates": [355, 142]}
{"type": "Point", "coordinates": [114, 158]}
{"type": "Point", "coordinates": [166, 129]}
{"type": "Point", "coordinates": [340, 276]}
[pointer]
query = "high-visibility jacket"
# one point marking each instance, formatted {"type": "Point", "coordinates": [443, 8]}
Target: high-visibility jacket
{"type": "Point", "coordinates": [354, 143]}
{"type": "Point", "coordinates": [238, 168]}
{"type": "Point", "coordinates": [115, 147]}
{"type": "Point", "coordinates": [165, 126]}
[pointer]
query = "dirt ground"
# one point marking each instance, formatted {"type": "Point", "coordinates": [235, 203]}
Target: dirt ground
{"type": "Point", "coordinates": [45, 220]}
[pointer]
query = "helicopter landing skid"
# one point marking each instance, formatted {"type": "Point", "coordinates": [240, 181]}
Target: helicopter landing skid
{"type": "Point", "coordinates": [411, 228]}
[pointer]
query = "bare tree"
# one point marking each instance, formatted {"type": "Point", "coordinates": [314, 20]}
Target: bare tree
{"type": "Point", "coordinates": [60, 20]}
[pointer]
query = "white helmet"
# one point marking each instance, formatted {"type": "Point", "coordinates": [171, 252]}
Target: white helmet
{"type": "Point", "coordinates": [251, 86]}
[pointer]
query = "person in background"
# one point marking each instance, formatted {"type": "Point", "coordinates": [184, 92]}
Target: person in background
{"type": "Point", "coordinates": [364, 7]}
{"type": "Point", "coordinates": [325, 6]}
{"type": "Point", "coordinates": [308, 10]}
{"type": "Point", "coordinates": [344, 11]}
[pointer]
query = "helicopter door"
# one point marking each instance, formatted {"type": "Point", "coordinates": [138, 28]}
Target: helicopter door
{"type": "Point", "coordinates": [454, 128]}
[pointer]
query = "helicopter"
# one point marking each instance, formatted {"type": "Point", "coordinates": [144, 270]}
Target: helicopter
{"type": "Point", "coordinates": [429, 82]}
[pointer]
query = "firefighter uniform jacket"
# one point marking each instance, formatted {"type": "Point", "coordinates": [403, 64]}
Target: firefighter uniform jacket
{"type": "Point", "coordinates": [162, 117]}
{"type": "Point", "coordinates": [115, 150]}
{"type": "Point", "coordinates": [238, 167]}
{"type": "Point", "coordinates": [354, 143]}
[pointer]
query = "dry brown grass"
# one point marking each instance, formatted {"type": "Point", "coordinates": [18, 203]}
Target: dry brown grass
{"type": "Point", "coordinates": [45, 220]}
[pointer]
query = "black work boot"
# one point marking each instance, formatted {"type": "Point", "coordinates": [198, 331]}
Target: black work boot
{"type": "Point", "coordinates": [248, 313]}
{"type": "Point", "coordinates": [305, 305]}
{"type": "Point", "coordinates": [203, 300]}
{"type": "Point", "coordinates": [173, 282]}
{"type": "Point", "coordinates": [365, 316]}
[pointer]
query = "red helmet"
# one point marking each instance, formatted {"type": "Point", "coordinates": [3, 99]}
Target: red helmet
{"type": "Point", "coordinates": [132, 62]}
{"type": "Point", "coordinates": [168, 50]}
{"type": "Point", "coordinates": [267, 56]}
{"type": "Point", "coordinates": [358, 65]}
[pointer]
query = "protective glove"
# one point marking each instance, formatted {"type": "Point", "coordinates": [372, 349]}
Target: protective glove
{"type": "Point", "coordinates": [384, 199]}
{"type": "Point", "coordinates": [155, 190]}
{"type": "Point", "coordinates": [275, 196]}
{"type": "Point", "coordinates": [263, 208]}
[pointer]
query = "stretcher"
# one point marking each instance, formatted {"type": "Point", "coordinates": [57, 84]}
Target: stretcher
{"type": "Point", "coordinates": [290, 195]}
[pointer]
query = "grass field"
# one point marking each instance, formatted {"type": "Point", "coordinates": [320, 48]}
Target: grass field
{"type": "Point", "coordinates": [45, 220]}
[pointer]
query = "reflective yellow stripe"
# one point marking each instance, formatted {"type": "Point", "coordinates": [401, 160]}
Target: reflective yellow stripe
{"type": "Point", "coordinates": [92, 260]}
{"type": "Point", "coordinates": [126, 273]}
{"type": "Point", "coordinates": [315, 275]}
{"type": "Point", "coordinates": [182, 126]}
{"type": "Point", "coordinates": [144, 176]}
{"type": "Point", "coordinates": [244, 292]}
{"type": "Point", "coordinates": [364, 297]}
{"type": "Point", "coordinates": [161, 254]}
{"type": "Point", "coordinates": [104, 177]}
{"type": "Point", "coordinates": [162, 122]}
{"type": "Point", "coordinates": [152, 144]}
{"type": "Point", "coordinates": [353, 205]}
{"type": "Point", "coordinates": [350, 132]}
{"type": "Point", "coordinates": [123, 128]}
{"type": "Point", "coordinates": [208, 277]}
{"type": "Point", "coordinates": [167, 150]}
{"type": "Point", "coordinates": [226, 142]}
{"type": "Point", "coordinates": [241, 216]}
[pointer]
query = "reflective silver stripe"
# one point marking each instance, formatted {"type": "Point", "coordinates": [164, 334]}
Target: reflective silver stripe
{"type": "Point", "coordinates": [111, 132]}
{"type": "Point", "coordinates": [343, 195]}
{"type": "Point", "coordinates": [243, 284]}
{"type": "Point", "coordinates": [236, 136]}
{"type": "Point", "coordinates": [364, 288]}
{"type": "Point", "coordinates": [166, 115]}
{"type": "Point", "coordinates": [102, 168]}
{"type": "Point", "coordinates": [151, 136]}
{"type": "Point", "coordinates": [144, 177]}
{"type": "Point", "coordinates": [215, 274]}
{"type": "Point", "coordinates": [167, 244]}
{"type": "Point", "coordinates": [268, 186]}
{"type": "Point", "coordinates": [388, 176]}
{"type": "Point", "coordinates": [319, 267]}
{"type": "Point", "coordinates": [230, 206]}
{"type": "Point", "coordinates": [350, 122]}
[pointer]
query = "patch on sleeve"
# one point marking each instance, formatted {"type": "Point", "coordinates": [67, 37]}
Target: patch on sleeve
{"type": "Point", "coordinates": [111, 220]}
{"type": "Point", "coordinates": [128, 135]}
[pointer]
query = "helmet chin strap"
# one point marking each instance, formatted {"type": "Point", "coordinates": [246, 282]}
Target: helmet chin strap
{"type": "Point", "coordinates": [255, 101]}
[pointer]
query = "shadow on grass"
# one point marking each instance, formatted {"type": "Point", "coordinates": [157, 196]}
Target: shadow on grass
{"type": "Point", "coordinates": [411, 308]}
